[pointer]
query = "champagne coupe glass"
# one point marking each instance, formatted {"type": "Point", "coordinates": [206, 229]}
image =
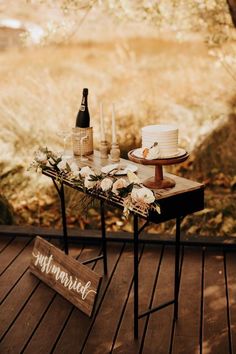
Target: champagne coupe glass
{"type": "Point", "coordinates": [64, 134]}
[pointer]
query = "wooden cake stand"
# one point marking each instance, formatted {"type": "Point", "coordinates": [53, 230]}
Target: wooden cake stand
{"type": "Point", "coordinates": [158, 181]}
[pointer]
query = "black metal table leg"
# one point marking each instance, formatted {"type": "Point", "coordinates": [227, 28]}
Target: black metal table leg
{"type": "Point", "coordinates": [104, 241]}
{"type": "Point", "coordinates": [63, 214]}
{"type": "Point", "coordinates": [61, 194]}
{"type": "Point", "coordinates": [177, 256]}
{"type": "Point", "coordinates": [136, 232]}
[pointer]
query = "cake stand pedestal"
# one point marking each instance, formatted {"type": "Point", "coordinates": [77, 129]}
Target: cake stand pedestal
{"type": "Point", "coordinates": [158, 181]}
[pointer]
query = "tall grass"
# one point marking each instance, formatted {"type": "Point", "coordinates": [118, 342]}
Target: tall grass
{"type": "Point", "coordinates": [150, 80]}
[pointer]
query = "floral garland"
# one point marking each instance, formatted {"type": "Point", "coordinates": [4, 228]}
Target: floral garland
{"type": "Point", "coordinates": [134, 194]}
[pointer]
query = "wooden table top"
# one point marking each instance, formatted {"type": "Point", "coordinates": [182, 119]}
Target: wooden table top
{"type": "Point", "coordinates": [184, 198]}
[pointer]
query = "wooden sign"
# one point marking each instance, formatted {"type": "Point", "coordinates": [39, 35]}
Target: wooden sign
{"type": "Point", "coordinates": [71, 279]}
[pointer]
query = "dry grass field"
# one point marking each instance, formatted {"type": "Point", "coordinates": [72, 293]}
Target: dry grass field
{"type": "Point", "coordinates": [152, 78]}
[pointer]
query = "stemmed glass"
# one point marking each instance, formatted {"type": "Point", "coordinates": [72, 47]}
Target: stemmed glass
{"type": "Point", "coordinates": [64, 134]}
{"type": "Point", "coordinates": [80, 138]}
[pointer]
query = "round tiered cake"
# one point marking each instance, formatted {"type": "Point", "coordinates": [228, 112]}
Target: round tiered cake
{"type": "Point", "coordinates": [165, 135]}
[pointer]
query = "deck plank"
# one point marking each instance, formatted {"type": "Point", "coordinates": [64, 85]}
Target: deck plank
{"type": "Point", "coordinates": [148, 268]}
{"type": "Point", "coordinates": [9, 254]}
{"type": "Point", "coordinates": [20, 331]}
{"type": "Point", "coordinates": [5, 242]}
{"type": "Point", "coordinates": [101, 337]}
{"type": "Point", "coordinates": [215, 327]}
{"type": "Point", "coordinates": [186, 339]}
{"type": "Point", "coordinates": [158, 336]}
{"type": "Point", "coordinates": [79, 325]}
{"type": "Point", "coordinates": [16, 300]}
{"type": "Point", "coordinates": [15, 271]}
{"type": "Point", "coordinates": [231, 279]}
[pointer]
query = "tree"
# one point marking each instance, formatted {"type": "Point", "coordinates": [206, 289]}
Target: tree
{"type": "Point", "coordinates": [232, 10]}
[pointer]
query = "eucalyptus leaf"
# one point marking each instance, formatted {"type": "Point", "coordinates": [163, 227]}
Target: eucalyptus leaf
{"type": "Point", "coordinates": [68, 167]}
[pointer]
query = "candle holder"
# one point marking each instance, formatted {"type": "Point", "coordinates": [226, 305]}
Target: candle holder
{"type": "Point", "coordinates": [103, 149]}
{"type": "Point", "coordinates": [115, 152]}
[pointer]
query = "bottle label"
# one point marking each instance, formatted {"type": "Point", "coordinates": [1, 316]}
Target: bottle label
{"type": "Point", "coordinates": [82, 108]}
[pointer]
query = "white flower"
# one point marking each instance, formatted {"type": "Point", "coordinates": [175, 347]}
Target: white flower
{"type": "Point", "coordinates": [75, 171]}
{"type": "Point", "coordinates": [62, 165]}
{"type": "Point", "coordinates": [74, 167]}
{"type": "Point", "coordinates": [142, 194]}
{"type": "Point", "coordinates": [88, 183]}
{"type": "Point", "coordinates": [120, 183]}
{"type": "Point", "coordinates": [40, 157]}
{"type": "Point", "coordinates": [133, 178]}
{"type": "Point", "coordinates": [86, 171]}
{"type": "Point", "coordinates": [106, 184]}
{"type": "Point", "coordinates": [153, 152]}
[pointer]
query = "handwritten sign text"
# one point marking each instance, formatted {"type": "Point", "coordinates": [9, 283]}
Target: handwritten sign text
{"type": "Point", "coordinates": [76, 282]}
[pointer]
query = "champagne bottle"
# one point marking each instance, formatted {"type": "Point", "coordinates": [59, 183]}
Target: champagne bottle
{"type": "Point", "coordinates": [83, 117]}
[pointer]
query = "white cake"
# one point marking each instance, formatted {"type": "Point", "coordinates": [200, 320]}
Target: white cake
{"type": "Point", "coordinates": [165, 135]}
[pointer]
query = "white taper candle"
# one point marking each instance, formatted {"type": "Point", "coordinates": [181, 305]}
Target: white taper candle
{"type": "Point", "coordinates": [102, 131]}
{"type": "Point", "coordinates": [113, 124]}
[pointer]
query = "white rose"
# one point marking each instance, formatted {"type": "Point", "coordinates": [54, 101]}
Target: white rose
{"type": "Point", "coordinates": [143, 194]}
{"type": "Point", "coordinates": [88, 183]}
{"type": "Point", "coordinates": [133, 178]}
{"type": "Point", "coordinates": [120, 183]}
{"type": "Point", "coordinates": [62, 165]}
{"type": "Point", "coordinates": [74, 167]}
{"type": "Point", "coordinates": [40, 157]}
{"type": "Point", "coordinates": [106, 184]}
{"type": "Point", "coordinates": [86, 171]}
{"type": "Point", "coordinates": [75, 171]}
{"type": "Point", "coordinates": [56, 155]}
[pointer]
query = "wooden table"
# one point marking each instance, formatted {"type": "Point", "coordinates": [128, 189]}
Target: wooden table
{"type": "Point", "coordinates": [186, 197]}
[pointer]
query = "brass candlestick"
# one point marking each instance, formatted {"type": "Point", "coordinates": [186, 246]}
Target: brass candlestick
{"type": "Point", "coordinates": [115, 152]}
{"type": "Point", "coordinates": [103, 149]}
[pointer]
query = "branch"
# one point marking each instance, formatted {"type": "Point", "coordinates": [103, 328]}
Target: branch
{"type": "Point", "coordinates": [232, 10]}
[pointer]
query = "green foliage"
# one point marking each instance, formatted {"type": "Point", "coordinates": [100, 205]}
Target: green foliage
{"type": "Point", "coordinates": [125, 191]}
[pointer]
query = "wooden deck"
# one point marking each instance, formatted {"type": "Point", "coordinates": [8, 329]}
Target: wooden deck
{"type": "Point", "coordinates": [34, 319]}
